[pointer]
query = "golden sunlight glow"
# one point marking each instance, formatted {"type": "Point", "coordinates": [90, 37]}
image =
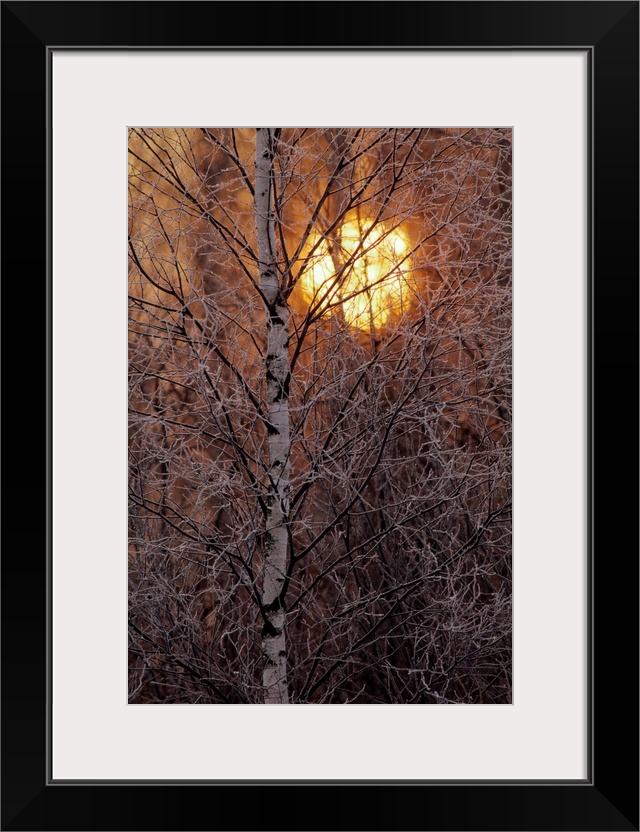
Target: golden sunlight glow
{"type": "Point", "coordinates": [362, 276]}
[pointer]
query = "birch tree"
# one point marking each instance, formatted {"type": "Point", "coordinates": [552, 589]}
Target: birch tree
{"type": "Point", "coordinates": [320, 430]}
{"type": "Point", "coordinates": [279, 444]}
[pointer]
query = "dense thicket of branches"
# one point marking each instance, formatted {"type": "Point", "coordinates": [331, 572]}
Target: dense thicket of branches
{"type": "Point", "coordinates": [394, 511]}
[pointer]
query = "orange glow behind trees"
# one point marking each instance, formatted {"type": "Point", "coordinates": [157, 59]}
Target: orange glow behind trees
{"type": "Point", "coordinates": [361, 276]}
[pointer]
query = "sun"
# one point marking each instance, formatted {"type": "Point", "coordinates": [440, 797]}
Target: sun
{"type": "Point", "coordinates": [359, 275]}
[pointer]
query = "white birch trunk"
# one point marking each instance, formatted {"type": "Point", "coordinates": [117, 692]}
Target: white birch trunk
{"type": "Point", "coordinates": [277, 372]}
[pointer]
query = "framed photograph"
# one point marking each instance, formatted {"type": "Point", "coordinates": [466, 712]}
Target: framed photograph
{"type": "Point", "coordinates": [369, 349]}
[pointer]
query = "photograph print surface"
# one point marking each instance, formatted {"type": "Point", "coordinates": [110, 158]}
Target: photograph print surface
{"type": "Point", "coordinates": [320, 368]}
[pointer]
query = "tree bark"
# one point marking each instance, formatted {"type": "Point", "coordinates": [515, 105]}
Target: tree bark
{"type": "Point", "coordinates": [277, 377]}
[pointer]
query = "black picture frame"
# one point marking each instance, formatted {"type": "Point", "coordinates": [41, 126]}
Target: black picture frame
{"type": "Point", "coordinates": [608, 798]}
